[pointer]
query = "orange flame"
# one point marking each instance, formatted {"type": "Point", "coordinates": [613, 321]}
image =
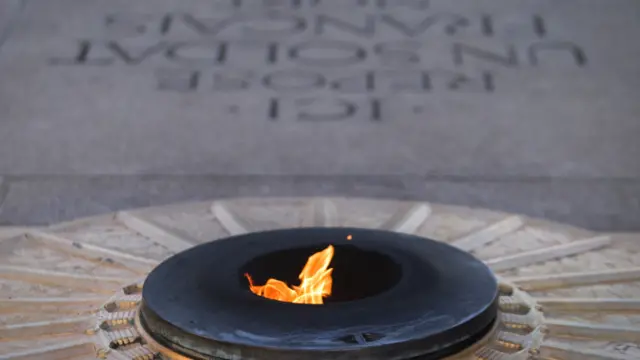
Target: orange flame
{"type": "Point", "coordinates": [315, 282]}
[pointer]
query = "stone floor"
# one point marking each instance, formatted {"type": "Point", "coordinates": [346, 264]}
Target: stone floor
{"type": "Point", "coordinates": [525, 106]}
{"type": "Point", "coordinates": [581, 287]}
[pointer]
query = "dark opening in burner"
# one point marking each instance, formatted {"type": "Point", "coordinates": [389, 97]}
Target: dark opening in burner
{"type": "Point", "coordinates": [395, 297]}
{"type": "Point", "coordinates": [357, 273]}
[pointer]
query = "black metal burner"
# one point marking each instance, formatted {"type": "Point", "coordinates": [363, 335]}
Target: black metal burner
{"type": "Point", "coordinates": [395, 296]}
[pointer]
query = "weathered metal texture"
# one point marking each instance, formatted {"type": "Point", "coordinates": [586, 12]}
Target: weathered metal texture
{"type": "Point", "coordinates": [393, 296]}
{"type": "Point", "coordinates": [70, 291]}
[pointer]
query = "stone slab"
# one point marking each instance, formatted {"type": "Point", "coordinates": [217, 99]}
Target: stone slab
{"type": "Point", "coordinates": [597, 205]}
{"type": "Point", "coordinates": [9, 11]}
{"type": "Point", "coordinates": [467, 88]}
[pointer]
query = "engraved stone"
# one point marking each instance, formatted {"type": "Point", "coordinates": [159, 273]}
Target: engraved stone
{"type": "Point", "coordinates": [459, 88]}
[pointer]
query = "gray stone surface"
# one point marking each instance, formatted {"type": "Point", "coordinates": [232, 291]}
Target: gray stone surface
{"type": "Point", "coordinates": [9, 12]}
{"type": "Point", "coordinates": [598, 205]}
{"type": "Point", "coordinates": [96, 93]}
{"type": "Point", "coordinates": [96, 87]}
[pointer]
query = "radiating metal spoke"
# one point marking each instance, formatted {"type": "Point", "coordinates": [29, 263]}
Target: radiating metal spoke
{"type": "Point", "coordinates": [155, 232]}
{"type": "Point", "coordinates": [493, 232]}
{"type": "Point", "coordinates": [408, 220]}
{"type": "Point", "coordinates": [228, 219]}
{"type": "Point", "coordinates": [321, 212]}
{"type": "Point", "coordinates": [555, 350]}
{"type": "Point", "coordinates": [589, 304]}
{"type": "Point", "coordinates": [549, 253]}
{"type": "Point", "coordinates": [566, 280]}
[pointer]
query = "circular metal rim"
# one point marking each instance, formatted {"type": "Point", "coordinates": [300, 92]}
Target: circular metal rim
{"type": "Point", "coordinates": [172, 352]}
{"type": "Point", "coordinates": [435, 344]}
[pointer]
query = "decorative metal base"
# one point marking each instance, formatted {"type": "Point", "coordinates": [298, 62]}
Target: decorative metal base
{"type": "Point", "coordinates": [71, 291]}
{"type": "Point", "coordinates": [393, 296]}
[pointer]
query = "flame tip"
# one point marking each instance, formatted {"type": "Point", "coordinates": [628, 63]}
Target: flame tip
{"type": "Point", "coordinates": [315, 282]}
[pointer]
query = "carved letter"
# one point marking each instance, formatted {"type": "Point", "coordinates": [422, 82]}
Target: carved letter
{"type": "Point", "coordinates": [406, 81]}
{"type": "Point", "coordinates": [412, 4]}
{"type": "Point", "coordinates": [85, 48]}
{"type": "Point", "coordinates": [345, 3]}
{"type": "Point", "coordinates": [574, 50]}
{"type": "Point", "coordinates": [294, 80]}
{"type": "Point", "coordinates": [251, 53]}
{"type": "Point", "coordinates": [287, 4]}
{"type": "Point", "coordinates": [451, 24]}
{"type": "Point", "coordinates": [337, 109]}
{"type": "Point", "coordinates": [327, 53]}
{"type": "Point", "coordinates": [272, 24]}
{"type": "Point", "coordinates": [486, 25]}
{"type": "Point", "coordinates": [130, 25]}
{"type": "Point", "coordinates": [82, 56]}
{"type": "Point", "coordinates": [232, 81]}
{"type": "Point", "coordinates": [366, 30]}
{"type": "Point", "coordinates": [539, 28]}
{"type": "Point", "coordinates": [455, 81]}
{"type": "Point", "coordinates": [135, 59]}
{"type": "Point", "coordinates": [510, 59]}
{"type": "Point", "coordinates": [361, 83]}
{"type": "Point", "coordinates": [207, 26]}
{"type": "Point", "coordinates": [195, 54]}
{"type": "Point", "coordinates": [180, 80]}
